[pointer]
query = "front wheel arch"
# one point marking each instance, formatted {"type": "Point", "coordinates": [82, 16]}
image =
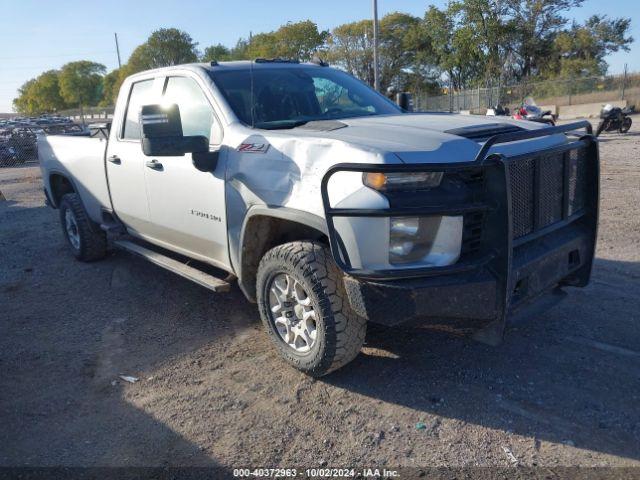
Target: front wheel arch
{"type": "Point", "coordinates": [266, 228]}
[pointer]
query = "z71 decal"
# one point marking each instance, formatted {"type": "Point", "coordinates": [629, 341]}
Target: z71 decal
{"type": "Point", "coordinates": [253, 147]}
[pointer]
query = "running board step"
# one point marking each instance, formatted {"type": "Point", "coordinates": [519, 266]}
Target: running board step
{"type": "Point", "coordinates": [190, 273]}
{"type": "Point", "coordinates": [113, 228]}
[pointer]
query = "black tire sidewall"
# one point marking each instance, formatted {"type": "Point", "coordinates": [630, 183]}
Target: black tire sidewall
{"type": "Point", "coordinates": [320, 357]}
{"type": "Point", "coordinates": [65, 204]}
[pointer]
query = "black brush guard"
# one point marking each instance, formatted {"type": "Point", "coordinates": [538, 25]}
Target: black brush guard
{"type": "Point", "coordinates": [498, 244]}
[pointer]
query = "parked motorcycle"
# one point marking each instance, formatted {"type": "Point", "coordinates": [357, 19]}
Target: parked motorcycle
{"type": "Point", "coordinates": [497, 111]}
{"type": "Point", "coordinates": [614, 119]}
{"type": "Point", "coordinates": [532, 112]}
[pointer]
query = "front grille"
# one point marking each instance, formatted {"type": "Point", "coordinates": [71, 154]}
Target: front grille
{"type": "Point", "coordinates": [472, 234]}
{"type": "Point", "coordinates": [551, 189]}
{"type": "Point", "coordinates": [538, 189]}
{"type": "Point", "coordinates": [522, 175]}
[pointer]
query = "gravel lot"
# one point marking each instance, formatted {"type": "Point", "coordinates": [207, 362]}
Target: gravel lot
{"type": "Point", "coordinates": [562, 390]}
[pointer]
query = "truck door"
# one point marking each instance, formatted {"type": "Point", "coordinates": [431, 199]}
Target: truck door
{"type": "Point", "coordinates": [125, 160]}
{"type": "Point", "coordinates": [187, 207]}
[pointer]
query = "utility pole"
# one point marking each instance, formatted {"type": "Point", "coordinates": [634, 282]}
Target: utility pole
{"type": "Point", "coordinates": [624, 81]}
{"type": "Point", "coordinates": [118, 50]}
{"type": "Point", "coordinates": [376, 58]}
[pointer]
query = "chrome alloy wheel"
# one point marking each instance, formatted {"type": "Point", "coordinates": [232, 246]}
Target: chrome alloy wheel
{"type": "Point", "coordinates": [292, 313]}
{"type": "Point", "coordinates": [71, 227]}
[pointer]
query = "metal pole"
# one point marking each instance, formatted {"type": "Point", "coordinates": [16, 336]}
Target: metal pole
{"type": "Point", "coordinates": [450, 96]}
{"type": "Point", "coordinates": [624, 81]}
{"type": "Point", "coordinates": [118, 50]}
{"type": "Point", "coordinates": [376, 59]}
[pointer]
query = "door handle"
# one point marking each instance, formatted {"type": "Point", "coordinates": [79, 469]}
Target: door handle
{"type": "Point", "coordinates": [154, 165]}
{"type": "Point", "coordinates": [114, 159]}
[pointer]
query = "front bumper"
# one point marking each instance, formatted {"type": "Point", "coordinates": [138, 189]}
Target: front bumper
{"type": "Point", "coordinates": [471, 300]}
{"type": "Point", "coordinates": [537, 215]}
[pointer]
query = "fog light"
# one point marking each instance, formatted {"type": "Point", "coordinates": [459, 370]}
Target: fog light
{"type": "Point", "coordinates": [411, 238]}
{"type": "Point", "coordinates": [400, 248]}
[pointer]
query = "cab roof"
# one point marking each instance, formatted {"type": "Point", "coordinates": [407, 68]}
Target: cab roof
{"type": "Point", "coordinates": [236, 65]}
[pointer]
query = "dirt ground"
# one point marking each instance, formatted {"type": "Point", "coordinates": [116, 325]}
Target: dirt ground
{"type": "Point", "coordinates": [562, 390]}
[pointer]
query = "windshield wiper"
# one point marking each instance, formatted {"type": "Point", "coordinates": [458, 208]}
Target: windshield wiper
{"type": "Point", "coordinates": [281, 125]}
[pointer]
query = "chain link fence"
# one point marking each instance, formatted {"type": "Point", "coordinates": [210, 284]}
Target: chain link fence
{"type": "Point", "coordinates": [558, 92]}
{"type": "Point", "coordinates": [19, 140]}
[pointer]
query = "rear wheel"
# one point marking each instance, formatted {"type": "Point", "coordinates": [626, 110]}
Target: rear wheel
{"type": "Point", "coordinates": [86, 240]}
{"type": "Point", "coordinates": [304, 308]}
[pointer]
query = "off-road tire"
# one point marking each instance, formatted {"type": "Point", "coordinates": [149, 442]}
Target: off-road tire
{"type": "Point", "coordinates": [93, 241]}
{"type": "Point", "coordinates": [340, 332]}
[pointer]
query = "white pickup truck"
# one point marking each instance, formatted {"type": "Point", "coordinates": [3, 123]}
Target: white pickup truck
{"type": "Point", "coordinates": [330, 205]}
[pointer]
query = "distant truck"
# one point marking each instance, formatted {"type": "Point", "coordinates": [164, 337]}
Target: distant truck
{"type": "Point", "coordinates": [330, 205]}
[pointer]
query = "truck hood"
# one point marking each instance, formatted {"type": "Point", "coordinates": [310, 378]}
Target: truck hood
{"type": "Point", "coordinates": [427, 138]}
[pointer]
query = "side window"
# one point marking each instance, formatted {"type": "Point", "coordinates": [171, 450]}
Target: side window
{"type": "Point", "coordinates": [195, 111]}
{"type": "Point", "coordinates": [140, 95]}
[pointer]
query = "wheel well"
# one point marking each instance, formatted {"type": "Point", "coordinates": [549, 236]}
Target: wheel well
{"type": "Point", "coordinates": [261, 234]}
{"type": "Point", "coordinates": [60, 185]}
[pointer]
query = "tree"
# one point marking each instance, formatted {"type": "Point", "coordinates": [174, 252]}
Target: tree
{"type": "Point", "coordinates": [397, 58]}
{"type": "Point", "coordinates": [40, 95]}
{"type": "Point", "coordinates": [298, 41]}
{"type": "Point", "coordinates": [217, 52]}
{"type": "Point", "coordinates": [301, 40]}
{"type": "Point", "coordinates": [486, 26]}
{"type": "Point", "coordinates": [46, 90]}
{"type": "Point", "coordinates": [581, 50]}
{"type": "Point", "coordinates": [454, 48]}
{"type": "Point", "coordinates": [351, 48]}
{"type": "Point", "coordinates": [536, 25]}
{"type": "Point", "coordinates": [111, 86]}
{"type": "Point", "coordinates": [163, 48]}
{"type": "Point", "coordinates": [81, 82]}
{"type": "Point", "coordinates": [23, 102]}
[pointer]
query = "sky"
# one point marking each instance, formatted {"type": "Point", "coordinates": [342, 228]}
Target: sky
{"type": "Point", "coordinates": [39, 35]}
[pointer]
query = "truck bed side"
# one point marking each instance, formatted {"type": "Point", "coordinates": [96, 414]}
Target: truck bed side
{"type": "Point", "coordinates": [81, 161]}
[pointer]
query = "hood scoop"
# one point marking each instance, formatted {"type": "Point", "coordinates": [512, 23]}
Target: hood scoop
{"type": "Point", "coordinates": [323, 125]}
{"type": "Point", "coordinates": [481, 133]}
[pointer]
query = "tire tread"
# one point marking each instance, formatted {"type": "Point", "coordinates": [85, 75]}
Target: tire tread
{"type": "Point", "coordinates": [346, 330]}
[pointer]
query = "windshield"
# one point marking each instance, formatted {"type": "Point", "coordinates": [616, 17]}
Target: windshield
{"type": "Point", "coordinates": [288, 97]}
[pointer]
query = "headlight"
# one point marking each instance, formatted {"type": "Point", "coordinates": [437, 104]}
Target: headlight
{"type": "Point", "coordinates": [402, 181]}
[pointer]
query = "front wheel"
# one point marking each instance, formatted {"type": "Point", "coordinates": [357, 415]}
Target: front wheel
{"type": "Point", "coordinates": [304, 307]}
{"type": "Point", "coordinates": [87, 241]}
